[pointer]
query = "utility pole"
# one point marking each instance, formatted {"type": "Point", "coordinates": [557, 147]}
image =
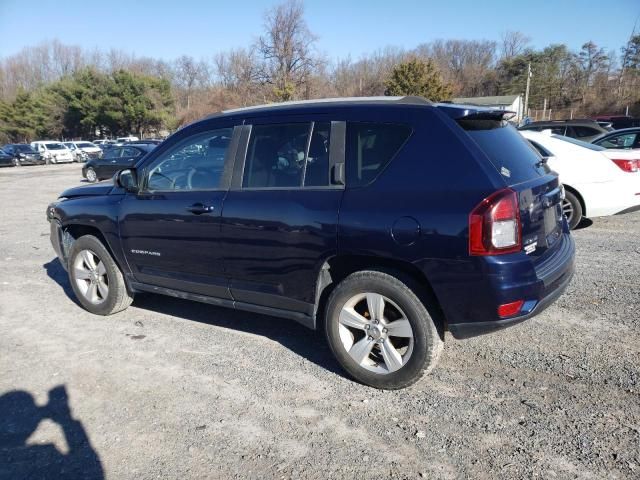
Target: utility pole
{"type": "Point", "coordinates": [526, 92]}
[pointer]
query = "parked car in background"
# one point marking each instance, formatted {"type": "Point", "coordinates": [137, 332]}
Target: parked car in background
{"type": "Point", "coordinates": [53, 152]}
{"type": "Point", "coordinates": [83, 150]}
{"type": "Point", "coordinates": [619, 121]}
{"type": "Point", "coordinates": [23, 154]}
{"type": "Point", "coordinates": [6, 159]}
{"type": "Point", "coordinates": [597, 182]}
{"type": "Point", "coordinates": [114, 159]}
{"type": "Point", "coordinates": [625, 139]}
{"type": "Point", "coordinates": [123, 140]}
{"type": "Point", "coordinates": [585, 130]}
{"type": "Point", "coordinates": [383, 221]}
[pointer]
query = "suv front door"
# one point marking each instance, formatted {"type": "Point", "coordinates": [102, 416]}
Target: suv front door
{"type": "Point", "coordinates": [280, 217]}
{"type": "Point", "coordinates": [170, 229]}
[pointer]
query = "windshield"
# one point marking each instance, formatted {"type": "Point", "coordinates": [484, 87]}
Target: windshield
{"type": "Point", "coordinates": [580, 143]}
{"type": "Point", "coordinates": [54, 146]}
{"type": "Point", "coordinates": [23, 149]}
{"type": "Point", "coordinates": [85, 145]}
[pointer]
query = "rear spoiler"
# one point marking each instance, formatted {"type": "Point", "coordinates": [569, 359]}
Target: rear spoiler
{"type": "Point", "coordinates": [474, 112]}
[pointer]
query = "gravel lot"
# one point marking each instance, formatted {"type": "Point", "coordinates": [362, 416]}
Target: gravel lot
{"type": "Point", "coordinates": [174, 389]}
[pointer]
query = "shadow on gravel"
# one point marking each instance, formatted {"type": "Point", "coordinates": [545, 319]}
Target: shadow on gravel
{"type": "Point", "coordinates": [584, 223]}
{"type": "Point", "coordinates": [57, 273]}
{"type": "Point", "coordinates": [306, 343]}
{"type": "Point", "coordinates": [19, 419]}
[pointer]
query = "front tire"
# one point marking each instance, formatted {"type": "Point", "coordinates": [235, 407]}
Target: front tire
{"type": "Point", "coordinates": [572, 209]}
{"type": "Point", "coordinates": [95, 277]}
{"type": "Point", "coordinates": [16, 162]}
{"type": "Point", "coordinates": [91, 174]}
{"type": "Point", "coordinates": [380, 331]}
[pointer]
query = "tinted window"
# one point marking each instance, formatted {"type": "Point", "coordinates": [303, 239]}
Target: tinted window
{"type": "Point", "coordinates": [580, 131]}
{"type": "Point", "coordinates": [130, 152]}
{"type": "Point", "coordinates": [317, 170]}
{"type": "Point", "coordinates": [276, 156]}
{"type": "Point", "coordinates": [370, 147]}
{"type": "Point", "coordinates": [196, 163]}
{"type": "Point", "coordinates": [507, 150]}
{"type": "Point", "coordinates": [112, 153]}
{"type": "Point", "coordinates": [626, 140]}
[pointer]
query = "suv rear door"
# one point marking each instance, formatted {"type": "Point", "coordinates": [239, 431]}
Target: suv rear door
{"type": "Point", "coordinates": [279, 222]}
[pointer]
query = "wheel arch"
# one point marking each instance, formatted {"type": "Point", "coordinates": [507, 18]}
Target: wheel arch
{"type": "Point", "coordinates": [578, 196]}
{"type": "Point", "coordinates": [73, 231]}
{"type": "Point", "coordinates": [338, 267]}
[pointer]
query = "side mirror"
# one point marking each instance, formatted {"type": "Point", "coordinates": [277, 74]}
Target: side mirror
{"type": "Point", "coordinates": [127, 180]}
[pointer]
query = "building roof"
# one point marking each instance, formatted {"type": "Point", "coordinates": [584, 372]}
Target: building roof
{"type": "Point", "coordinates": [498, 100]}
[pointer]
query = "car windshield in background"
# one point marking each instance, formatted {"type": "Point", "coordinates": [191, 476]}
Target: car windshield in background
{"type": "Point", "coordinates": [23, 149]}
{"type": "Point", "coordinates": [507, 150]}
{"type": "Point", "coordinates": [580, 143]}
{"type": "Point", "coordinates": [54, 146]}
{"type": "Point", "coordinates": [85, 145]}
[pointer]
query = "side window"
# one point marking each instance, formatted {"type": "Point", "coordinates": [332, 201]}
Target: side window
{"type": "Point", "coordinates": [196, 163]}
{"type": "Point", "coordinates": [112, 153]}
{"type": "Point", "coordinates": [581, 132]}
{"type": "Point", "coordinates": [558, 130]}
{"type": "Point", "coordinates": [370, 147]}
{"type": "Point", "coordinates": [619, 141]}
{"type": "Point", "coordinates": [130, 152]}
{"type": "Point", "coordinates": [276, 156]}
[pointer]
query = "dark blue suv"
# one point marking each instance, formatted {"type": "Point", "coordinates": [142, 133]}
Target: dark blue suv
{"type": "Point", "coordinates": [384, 221]}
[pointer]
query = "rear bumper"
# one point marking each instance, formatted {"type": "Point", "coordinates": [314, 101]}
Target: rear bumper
{"type": "Point", "coordinates": [552, 279]}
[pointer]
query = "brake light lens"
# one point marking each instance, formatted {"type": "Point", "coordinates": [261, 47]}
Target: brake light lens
{"type": "Point", "coordinates": [494, 225]}
{"type": "Point", "coordinates": [630, 166]}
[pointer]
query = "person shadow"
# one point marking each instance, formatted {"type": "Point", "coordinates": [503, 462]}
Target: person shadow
{"type": "Point", "coordinates": [19, 419]}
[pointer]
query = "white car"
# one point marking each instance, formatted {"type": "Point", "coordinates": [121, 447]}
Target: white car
{"type": "Point", "coordinates": [53, 152]}
{"type": "Point", "coordinates": [598, 182]}
{"type": "Point", "coordinates": [83, 151]}
{"type": "Point", "coordinates": [123, 140]}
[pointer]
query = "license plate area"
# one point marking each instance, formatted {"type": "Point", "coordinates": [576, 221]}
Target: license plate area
{"type": "Point", "coordinates": [552, 216]}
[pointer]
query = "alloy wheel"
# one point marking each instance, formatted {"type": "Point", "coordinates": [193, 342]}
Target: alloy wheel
{"type": "Point", "coordinates": [376, 333]}
{"type": "Point", "coordinates": [91, 175]}
{"type": "Point", "coordinates": [91, 277]}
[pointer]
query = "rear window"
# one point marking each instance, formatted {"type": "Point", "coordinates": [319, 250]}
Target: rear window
{"type": "Point", "coordinates": [370, 147]}
{"type": "Point", "coordinates": [507, 150]}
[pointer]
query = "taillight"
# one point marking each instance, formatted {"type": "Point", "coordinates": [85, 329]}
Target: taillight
{"type": "Point", "coordinates": [627, 165]}
{"type": "Point", "coordinates": [494, 225]}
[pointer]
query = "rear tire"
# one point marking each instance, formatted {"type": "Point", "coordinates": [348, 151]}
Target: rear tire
{"type": "Point", "coordinates": [572, 209]}
{"type": "Point", "coordinates": [388, 344]}
{"type": "Point", "coordinates": [95, 277]}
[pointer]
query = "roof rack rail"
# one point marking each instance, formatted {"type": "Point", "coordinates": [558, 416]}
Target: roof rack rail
{"type": "Point", "coordinates": [404, 100]}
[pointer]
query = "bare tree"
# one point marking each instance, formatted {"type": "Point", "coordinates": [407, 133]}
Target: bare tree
{"type": "Point", "coordinates": [513, 44]}
{"type": "Point", "coordinates": [190, 73]}
{"type": "Point", "coordinates": [287, 50]}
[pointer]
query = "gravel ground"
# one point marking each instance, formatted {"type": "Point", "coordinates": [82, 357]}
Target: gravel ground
{"type": "Point", "coordinates": [174, 389]}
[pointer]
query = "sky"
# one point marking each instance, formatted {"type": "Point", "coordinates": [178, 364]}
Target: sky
{"type": "Point", "coordinates": [167, 29]}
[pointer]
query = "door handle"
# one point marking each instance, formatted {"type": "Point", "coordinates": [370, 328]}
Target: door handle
{"type": "Point", "coordinates": [200, 208]}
